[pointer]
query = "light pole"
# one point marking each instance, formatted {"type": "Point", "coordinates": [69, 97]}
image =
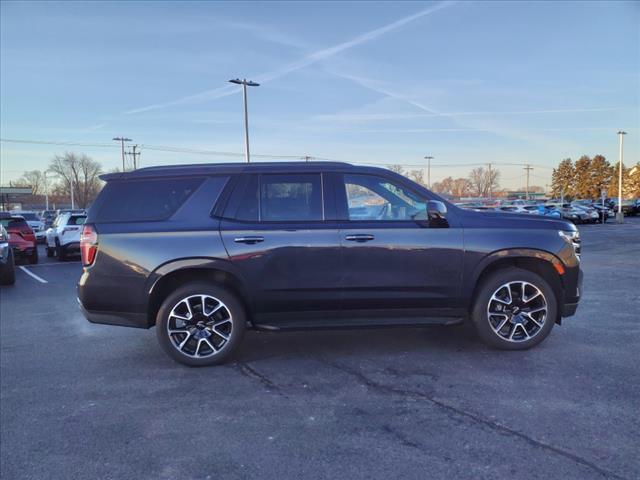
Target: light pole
{"type": "Point", "coordinates": [46, 192]}
{"type": "Point", "coordinates": [620, 215]}
{"type": "Point", "coordinates": [245, 83]}
{"type": "Point", "coordinates": [122, 140]}
{"type": "Point", "coordinates": [428, 159]}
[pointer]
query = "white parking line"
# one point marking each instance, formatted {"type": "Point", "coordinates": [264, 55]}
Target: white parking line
{"type": "Point", "coordinates": [41, 280]}
{"type": "Point", "coordinates": [52, 264]}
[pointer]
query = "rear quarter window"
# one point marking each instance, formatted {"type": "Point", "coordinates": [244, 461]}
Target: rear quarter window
{"type": "Point", "coordinates": [144, 199]}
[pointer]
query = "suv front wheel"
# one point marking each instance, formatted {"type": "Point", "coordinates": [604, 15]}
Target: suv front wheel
{"type": "Point", "coordinates": [200, 324]}
{"type": "Point", "coordinates": [515, 309]}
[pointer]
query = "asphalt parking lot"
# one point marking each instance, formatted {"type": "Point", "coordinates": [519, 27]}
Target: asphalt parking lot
{"type": "Point", "coordinates": [89, 401]}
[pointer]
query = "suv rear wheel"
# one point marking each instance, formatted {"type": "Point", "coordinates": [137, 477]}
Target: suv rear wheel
{"type": "Point", "coordinates": [515, 309]}
{"type": "Point", "coordinates": [200, 324]}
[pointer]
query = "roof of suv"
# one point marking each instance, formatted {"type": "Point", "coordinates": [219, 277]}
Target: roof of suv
{"type": "Point", "coordinates": [228, 168]}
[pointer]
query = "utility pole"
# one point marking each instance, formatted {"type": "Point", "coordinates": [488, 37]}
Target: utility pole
{"type": "Point", "coordinates": [620, 215]}
{"type": "Point", "coordinates": [73, 204]}
{"type": "Point", "coordinates": [134, 155]}
{"type": "Point", "coordinates": [245, 83]}
{"type": "Point", "coordinates": [122, 140]}
{"type": "Point", "coordinates": [428, 159]}
{"type": "Point", "coordinates": [528, 168]}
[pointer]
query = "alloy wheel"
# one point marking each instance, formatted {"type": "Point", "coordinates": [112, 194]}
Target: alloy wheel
{"type": "Point", "coordinates": [199, 326]}
{"type": "Point", "coordinates": [517, 311]}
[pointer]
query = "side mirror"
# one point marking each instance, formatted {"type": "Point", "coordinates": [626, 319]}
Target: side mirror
{"type": "Point", "coordinates": [436, 209]}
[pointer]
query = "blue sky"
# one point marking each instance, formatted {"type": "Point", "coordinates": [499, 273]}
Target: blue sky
{"type": "Point", "coordinates": [382, 83]}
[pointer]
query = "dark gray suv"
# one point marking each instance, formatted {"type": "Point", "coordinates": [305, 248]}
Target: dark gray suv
{"type": "Point", "coordinates": [204, 252]}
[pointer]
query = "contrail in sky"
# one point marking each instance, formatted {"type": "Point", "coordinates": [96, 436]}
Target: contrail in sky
{"type": "Point", "coordinates": [310, 59]}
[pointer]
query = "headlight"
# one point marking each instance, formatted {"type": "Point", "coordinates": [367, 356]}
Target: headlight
{"type": "Point", "coordinates": [572, 238]}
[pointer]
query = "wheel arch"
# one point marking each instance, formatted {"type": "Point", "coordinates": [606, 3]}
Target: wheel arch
{"type": "Point", "coordinates": [541, 262]}
{"type": "Point", "coordinates": [170, 276]}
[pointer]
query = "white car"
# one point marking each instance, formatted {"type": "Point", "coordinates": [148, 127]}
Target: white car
{"type": "Point", "coordinates": [63, 238]}
{"type": "Point", "coordinates": [34, 221]}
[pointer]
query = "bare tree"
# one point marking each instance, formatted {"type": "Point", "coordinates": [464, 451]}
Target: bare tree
{"type": "Point", "coordinates": [459, 187]}
{"type": "Point", "coordinates": [483, 181]}
{"type": "Point", "coordinates": [396, 169]}
{"type": "Point", "coordinates": [80, 171]}
{"type": "Point", "coordinates": [417, 176]}
{"type": "Point", "coordinates": [33, 179]}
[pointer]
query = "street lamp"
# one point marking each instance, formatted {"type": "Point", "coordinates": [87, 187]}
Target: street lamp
{"type": "Point", "coordinates": [428, 159]}
{"type": "Point", "coordinates": [620, 215]}
{"type": "Point", "coordinates": [122, 140]}
{"type": "Point", "coordinates": [245, 83]}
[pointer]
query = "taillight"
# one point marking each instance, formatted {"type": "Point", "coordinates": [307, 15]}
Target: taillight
{"type": "Point", "coordinates": [88, 245]}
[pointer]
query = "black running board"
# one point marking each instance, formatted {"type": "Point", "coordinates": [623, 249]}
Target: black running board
{"type": "Point", "coordinates": [355, 323]}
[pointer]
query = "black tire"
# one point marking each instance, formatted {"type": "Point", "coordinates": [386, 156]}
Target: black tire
{"type": "Point", "coordinates": [33, 258]}
{"type": "Point", "coordinates": [233, 313]}
{"type": "Point", "coordinates": [8, 274]}
{"type": "Point", "coordinates": [60, 253]}
{"type": "Point", "coordinates": [485, 328]}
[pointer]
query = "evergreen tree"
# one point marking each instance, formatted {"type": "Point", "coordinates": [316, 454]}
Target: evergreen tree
{"type": "Point", "coordinates": [562, 179]}
{"type": "Point", "coordinates": [582, 179]}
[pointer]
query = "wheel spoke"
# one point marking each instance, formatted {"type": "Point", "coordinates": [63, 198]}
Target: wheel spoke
{"type": "Point", "coordinates": [220, 334]}
{"type": "Point", "coordinates": [498, 299]}
{"type": "Point", "coordinates": [198, 347]}
{"type": "Point", "coordinates": [179, 317]}
{"type": "Point", "coordinates": [184, 342]}
{"type": "Point", "coordinates": [210, 345]}
{"type": "Point", "coordinates": [216, 308]}
{"type": "Point", "coordinates": [502, 324]}
{"type": "Point", "coordinates": [533, 297]}
{"type": "Point", "coordinates": [179, 330]}
{"type": "Point", "coordinates": [513, 331]}
{"type": "Point", "coordinates": [538, 324]}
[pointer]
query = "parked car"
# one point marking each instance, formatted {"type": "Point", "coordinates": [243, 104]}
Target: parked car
{"type": "Point", "coordinates": [7, 268]}
{"type": "Point", "coordinates": [568, 212]}
{"type": "Point", "coordinates": [514, 209]}
{"type": "Point", "coordinates": [628, 206]}
{"type": "Point", "coordinates": [63, 238]}
{"type": "Point", "coordinates": [21, 237]}
{"type": "Point", "coordinates": [205, 251]}
{"type": "Point", "coordinates": [34, 221]}
{"type": "Point", "coordinates": [593, 215]}
{"type": "Point", "coordinates": [47, 216]}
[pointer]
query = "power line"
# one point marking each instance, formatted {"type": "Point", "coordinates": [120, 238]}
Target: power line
{"type": "Point", "coordinates": [174, 149]}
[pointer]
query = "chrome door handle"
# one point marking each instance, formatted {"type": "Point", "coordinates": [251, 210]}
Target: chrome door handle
{"type": "Point", "coordinates": [249, 240]}
{"type": "Point", "coordinates": [361, 237]}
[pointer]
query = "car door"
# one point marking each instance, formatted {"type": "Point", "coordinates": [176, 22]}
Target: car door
{"type": "Point", "coordinates": [393, 256]}
{"type": "Point", "coordinates": [280, 231]}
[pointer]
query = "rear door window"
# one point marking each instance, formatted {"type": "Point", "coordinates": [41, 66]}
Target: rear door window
{"type": "Point", "coordinates": [285, 198]}
{"type": "Point", "coordinates": [145, 200]}
{"type": "Point", "coordinates": [278, 198]}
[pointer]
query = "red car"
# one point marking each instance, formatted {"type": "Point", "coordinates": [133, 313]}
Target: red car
{"type": "Point", "coordinates": [21, 238]}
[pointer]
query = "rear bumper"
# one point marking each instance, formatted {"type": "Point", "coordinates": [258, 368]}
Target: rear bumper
{"type": "Point", "coordinates": [20, 251]}
{"type": "Point", "coordinates": [122, 319]}
{"type": "Point", "coordinates": [71, 247]}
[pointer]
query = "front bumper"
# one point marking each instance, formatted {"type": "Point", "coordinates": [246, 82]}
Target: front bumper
{"type": "Point", "coordinates": [572, 295]}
